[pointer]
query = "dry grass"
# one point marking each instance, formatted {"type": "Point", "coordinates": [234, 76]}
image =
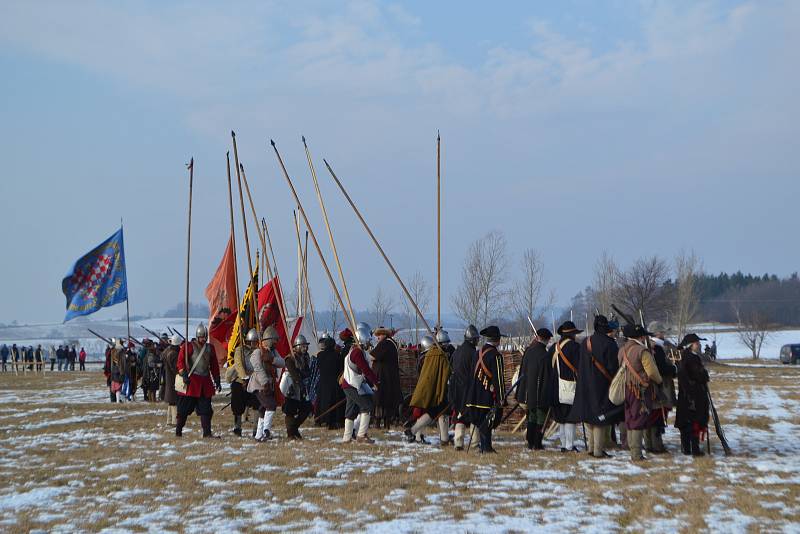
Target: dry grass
{"type": "Point", "coordinates": [114, 463]}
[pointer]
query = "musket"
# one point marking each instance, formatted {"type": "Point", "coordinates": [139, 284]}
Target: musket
{"type": "Point", "coordinates": [149, 331]}
{"type": "Point", "coordinates": [329, 410]}
{"type": "Point", "coordinates": [628, 318]}
{"type": "Point", "coordinates": [514, 409]}
{"type": "Point", "coordinates": [718, 425]}
{"type": "Point", "coordinates": [101, 337]}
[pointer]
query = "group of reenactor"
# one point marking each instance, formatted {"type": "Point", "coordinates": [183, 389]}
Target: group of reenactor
{"type": "Point", "coordinates": [615, 377]}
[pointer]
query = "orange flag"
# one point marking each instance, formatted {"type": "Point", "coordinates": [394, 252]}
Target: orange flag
{"type": "Point", "coordinates": [222, 301]}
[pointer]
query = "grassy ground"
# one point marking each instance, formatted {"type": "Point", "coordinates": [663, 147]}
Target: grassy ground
{"type": "Point", "coordinates": [74, 462]}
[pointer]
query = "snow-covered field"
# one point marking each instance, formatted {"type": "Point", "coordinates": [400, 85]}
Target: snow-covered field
{"type": "Point", "coordinates": [729, 345]}
{"type": "Point", "coordinates": [73, 462]}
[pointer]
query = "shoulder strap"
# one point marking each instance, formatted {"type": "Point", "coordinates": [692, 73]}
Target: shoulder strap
{"type": "Point", "coordinates": [565, 360]}
{"type": "Point", "coordinates": [480, 364]}
{"type": "Point", "coordinates": [596, 362]}
{"type": "Point", "coordinates": [630, 367]}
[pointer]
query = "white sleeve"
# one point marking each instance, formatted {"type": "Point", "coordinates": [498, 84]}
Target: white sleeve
{"type": "Point", "coordinates": [286, 383]}
{"type": "Point", "coordinates": [278, 361]}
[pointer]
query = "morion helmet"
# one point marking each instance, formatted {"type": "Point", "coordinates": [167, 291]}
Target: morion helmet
{"type": "Point", "coordinates": [201, 331]}
{"type": "Point", "coordinates": [471, 333]}
{"type": "Point", "coordinates": [442, 336]}
{"type": "Point", "coordinates": [426, 343]}
{"type": "Point", "coordinates": [270, 333]}
{"type": "Point", "coordinates": [252, 336]}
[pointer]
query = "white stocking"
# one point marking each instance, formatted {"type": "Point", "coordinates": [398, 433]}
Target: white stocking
{"type": "Point", "coordinates": [363, 425]}
{"type": "Point", "coordinates": [260, 428]}
{"type": "Point", "coordinates": [421, 423]}
{"type": "Point", "coordinates": [268, 420]}
{"type": "Point", "coordinates": [444, 429]}
{"type": "Point", "coordinates": [459, 437]}
{"type": "Point", "coordinates": [348, 431]}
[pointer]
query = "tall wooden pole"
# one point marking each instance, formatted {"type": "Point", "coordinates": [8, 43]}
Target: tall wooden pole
{"type": "Point", "coordinates": [349, 308]}
{"type": "Point", "coordinates": [233, 233]}
{"type": "Point", "coordinates": [127, 297]}
{"type": "Point", "coordinates": [380, 249]}
{"type": "Point", "coordinates": [189, 245]}
{"type": "Point", "coordinates": [438, 231]}
{"type": "Point", "coordinates": [311, 232]}
{"type": "Point", "coordinates": [309, 298]}
{"type": "Point", "coordinates": [262, 231]}
{"type": "Point", "coordinates": [253, 302]}
{"type": "Point", "coordinates": [299, 264]}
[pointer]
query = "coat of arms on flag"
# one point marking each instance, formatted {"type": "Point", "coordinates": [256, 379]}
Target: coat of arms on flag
{"type": "Point", "coordinates": [97, 279]}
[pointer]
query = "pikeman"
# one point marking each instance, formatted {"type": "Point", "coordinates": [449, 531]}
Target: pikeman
{"type": "Point", "coordinates": [359, 383]}
{"type": "Point", "coordinates": [463, 366]}
{"type": "Point", "coordinates": [429, 401]}
{"type": "Point", "coordinates": [198, 366]}
{"type": "Point", "coordinates": [443, 339]}
{"type": "Point", "coordinates": [533, 388]}
{"type": "Point", "coordinates": [169, 363]}
{"type": "Point", "coordinates": [653, 437]}
{"type": "Point", "coordinates": [117, 371]}
{"type": "Point", "coordinates": [641, 381]}
{"type": "Point", "coordinates": [151, 365]}
{"type": "Point", "coordinates": [596, 369]}
{"type": "Point", "coordinates": [691, 414]}
{"type": "Point", "coordinates": [295, 386]}
{"type": "Point", "coordinates": [265, 361]}
{"type": "Point", "coordinates": [565, 356]}
{"type": "Point", "coordinates": [486, 394]}
{"type": "Point", "coordinates": [386, 366]}
{"type": "Point", "coordinates": [237, 376]}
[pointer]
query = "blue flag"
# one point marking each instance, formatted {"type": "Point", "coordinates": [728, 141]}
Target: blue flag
{"type": "Point", "coordinates": [97, 279]}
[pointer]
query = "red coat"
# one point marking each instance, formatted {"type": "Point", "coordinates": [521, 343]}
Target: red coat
{"type": "Point", "coordinates": [199, 386]}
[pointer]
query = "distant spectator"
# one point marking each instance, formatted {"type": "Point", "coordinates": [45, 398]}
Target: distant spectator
{"type": "Point", "coordinates": [82, 359]}
{"type": "Point", "coordinates": [4, 352]}
{"type": "Point", "coordinates": [29, 357]}
{"type": "Point", "coordinates": [61, 356]}
{"type": "Point", "coordinates": [39, 357]}
{"type": "Point", "coordinates": [52, 357]}
{"type": "Point", "coordinates": [71, 357]}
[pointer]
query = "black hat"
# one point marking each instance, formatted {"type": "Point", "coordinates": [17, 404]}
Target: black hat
{"type": "Point", "coordinates": [688, 339]}
{"type": "Point", "coordinates": [568, 327]}
{"type": "Point", "coordinates": [601, 324]}
{"type": "Point", "coordinates": [544, 333]}
{"type": "Point", "coordinates": [634, 330]}
{"type": "Point", "coordinates": [492, 332]}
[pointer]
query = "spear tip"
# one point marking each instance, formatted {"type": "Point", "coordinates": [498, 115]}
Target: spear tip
{"type": "Point", "coordinates": [233, 134]}
{"type": "Point", "coordinates": [304, 139]}
{"type": "Point", "coordinates": [272, 143]}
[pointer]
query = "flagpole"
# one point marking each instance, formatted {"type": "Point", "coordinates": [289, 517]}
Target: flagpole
{"type": "Point", "coordinates": [127, 293]}
{"type": "Point", "coordinates": [311, 232]}
{"type": "Point", "coordinates": [189, 245]}
{"type": "Point", "coordinates": [233, 234]}
{"type": "Point", "coordinates": [438, 232]}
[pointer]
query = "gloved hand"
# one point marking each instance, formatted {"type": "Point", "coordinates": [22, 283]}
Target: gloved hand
{"type": "Point", "coordinates": [185, 377]}
{"type": "Point", "coordinates": [218, 384]}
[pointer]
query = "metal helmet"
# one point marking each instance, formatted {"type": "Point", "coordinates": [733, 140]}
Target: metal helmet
{"type": "Point", "coordinates": [426, 343]}
{"type": "Point", "coordinates": [442, 336]}
{"type": "Point", "coordinates": [175, 341]}
{"type": "Point", "coordinates": [252, 336]}
{"type": "Point", "coordinates": [365, 326]}
{"type": "Point", "coordinates": [471, 333]}
{"type": "Point", "coordinates": [363, 336]}
{"type": "Point", "coordinates": [201, 331]}
{"type": "Point", "coordinates": [270, 333]}
{"type": "Point", "coordinates": [300, 340]}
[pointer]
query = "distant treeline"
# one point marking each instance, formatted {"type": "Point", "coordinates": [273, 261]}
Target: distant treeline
{"type": "Point", "coordinates": [723, 296]}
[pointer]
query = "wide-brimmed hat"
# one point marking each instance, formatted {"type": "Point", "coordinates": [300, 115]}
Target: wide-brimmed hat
{"type": "Point", "coordinates": [492, 332]}
{"type": "Point", "coordinates": [688, 339]}
{"type": "Point", "coordinates": [383, 331]}
{"type": "Point", "coordinates": [634, 331]}
{"type": "Point", "coordinates": [567, 328]}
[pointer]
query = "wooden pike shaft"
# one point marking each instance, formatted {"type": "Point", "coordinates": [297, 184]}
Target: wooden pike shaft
{"type": "Point", "coordinates": [309, 299]}
{"type": "Point", "coordinates": [189, 244]}
{"type": "Point", "coordinates": [281, 303]}
{"type": "Point", "coordinates": [311, 232]}
{"type": "Point", "coordinates": [233, 233]}
{"type": "Point", "coordinates": [253, 302]}
{"type": "Point", "coordinates": [261, 231]}
{"type": "Point", "coordinates": [330, 233]}
{"type": "Point", "coordinates": [438, 230]}
{"type": "Point", "coordinates": [380, 249]}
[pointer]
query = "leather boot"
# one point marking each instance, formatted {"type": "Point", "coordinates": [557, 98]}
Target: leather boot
{"type": "Point", "coordinates": [237, 425]}
{"type": "Point", "coordinates": [205, 423]}
{"type": "Point", "coordinates": [537, 437]}
{"type": "Point", "coordinates": [658, 442]}
{"type": "Point", "coordinates": [530, 435]}
{"type": "Point", "coordinates": [290, 426]}
{"type": "Point", "coordinates": [647, 434]}
{"type": "Point", "coordinates": [635, 445]}
{"type": "Point", "coordinates": [686, 441]}
{"type": "Point", "coordinates": [695, 447]}
{"type": "Point", "coordinates": [179, 422]}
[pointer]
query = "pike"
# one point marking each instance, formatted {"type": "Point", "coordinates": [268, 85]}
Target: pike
{"type": "Point", "coordinates": [311, 232]}
{"type": "Point", "coordinates": [718, 425]}
{"type": "Point", "coordinates": [98, 335]}
{"type": "Point", "coordinates": [143, 327]}
{"type": "Point", "coordinates": [380, 249]}
{"type": "Point", "coordinates": [330, 233]}
{"type": "Point", "coordinates": [189, 246]}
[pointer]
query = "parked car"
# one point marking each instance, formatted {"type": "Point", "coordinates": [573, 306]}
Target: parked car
{"type": "Point", "coordinates": [790, 354]}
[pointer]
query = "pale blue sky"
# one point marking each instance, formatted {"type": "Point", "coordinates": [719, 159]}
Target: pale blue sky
{"type": "Point", "coordinates": [637, 127]}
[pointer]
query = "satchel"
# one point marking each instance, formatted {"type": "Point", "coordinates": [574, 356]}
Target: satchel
{"type": "Point", "coordinates": [566, 388]}
{"type": "Point", "coordinates": [180, 385]}
{"type": "Point", "coordinates": [616, 391]}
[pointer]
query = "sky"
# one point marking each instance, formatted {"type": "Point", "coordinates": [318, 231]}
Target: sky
{"type": "Point", "coordinates": [574, 127]}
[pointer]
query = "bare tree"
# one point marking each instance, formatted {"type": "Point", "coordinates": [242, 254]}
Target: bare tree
{"type": "Point", "coordinates": [753, 326]}
{"type": "Point", "coordinates": [381, 307]}
{"type": "Point", "coordinates": [606, 274]}
{"type": "Point", "coordinates": [642, 286]}
{"type": "Point", "coordinates": [336, 311]}
{"type": "Point", "coordinates": [688, 268]}
{"type": "Point", "coordinates": [526, 298]}
{"type": "Point", "coordinates": [480, 298]}
{"type": "Point", "coordinates": [421, 293]}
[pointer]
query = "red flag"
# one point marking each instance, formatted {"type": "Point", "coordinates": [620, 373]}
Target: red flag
{"type": "Point", "coordinates": [269, 301]}
{"type": "Point", "coordinates": [222, 302]}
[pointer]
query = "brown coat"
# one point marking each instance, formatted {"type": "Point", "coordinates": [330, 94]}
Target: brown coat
{"type": "Point", "coordinates": [169, 359]}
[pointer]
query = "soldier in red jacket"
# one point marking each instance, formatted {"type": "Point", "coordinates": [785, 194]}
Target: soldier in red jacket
{"type": "Point", "coordinates": [199, 370]}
